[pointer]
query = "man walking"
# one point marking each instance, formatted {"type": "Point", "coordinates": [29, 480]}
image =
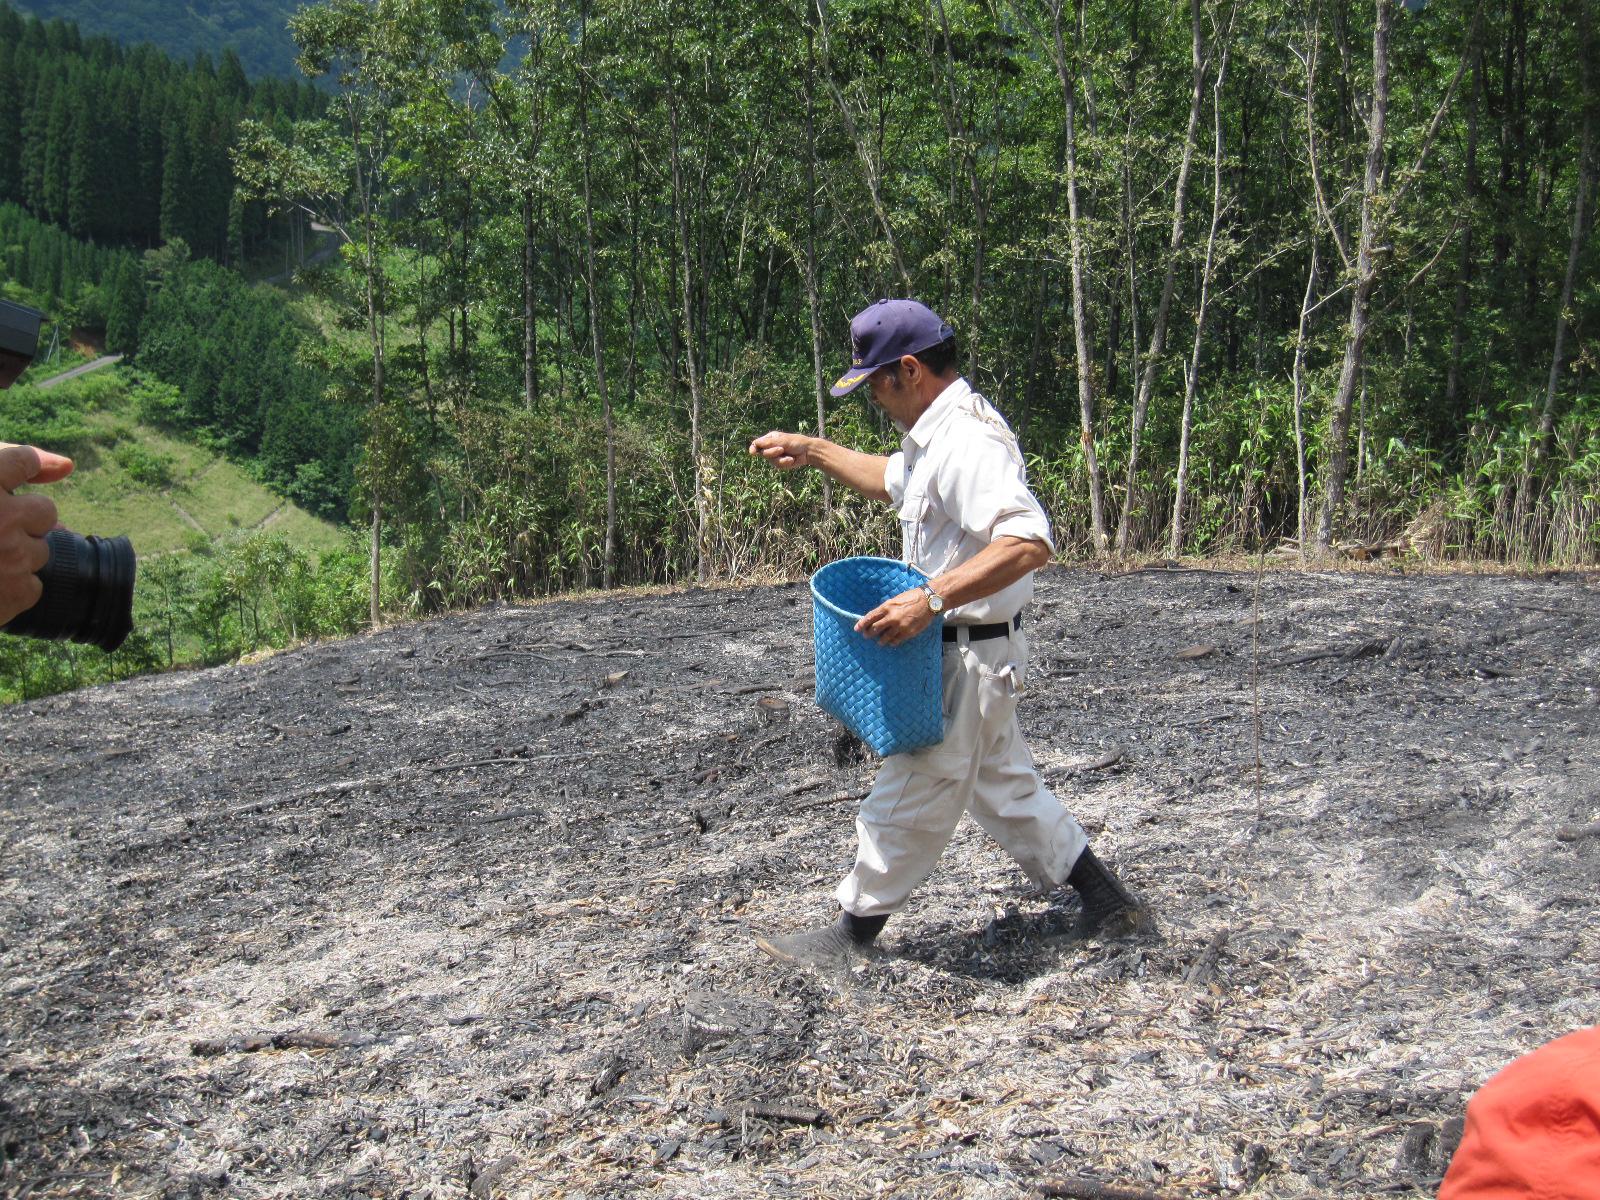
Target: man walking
{"type": "Point", "coordinates": [968, 521]}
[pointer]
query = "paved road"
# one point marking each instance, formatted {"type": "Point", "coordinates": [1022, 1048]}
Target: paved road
{"type": "Point", "coordinates": [106, 361]}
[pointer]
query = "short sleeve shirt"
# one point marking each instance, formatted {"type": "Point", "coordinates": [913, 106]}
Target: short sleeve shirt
{"type": "Point", "coordinates": [960, 482]}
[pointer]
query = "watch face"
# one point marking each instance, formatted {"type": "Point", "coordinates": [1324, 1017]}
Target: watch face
{"type": "Point", "coordinates": [935, 601]}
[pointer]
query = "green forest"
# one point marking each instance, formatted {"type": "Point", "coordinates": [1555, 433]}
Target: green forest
{"type": "Point", "coordinates": [255, 30]}
{"type": "Point", "coordinates": [1241, 278]}
{"type": "Point", "coordinates": [1234, 277]}
{"type": "Point", "coordinates": [129, 147]}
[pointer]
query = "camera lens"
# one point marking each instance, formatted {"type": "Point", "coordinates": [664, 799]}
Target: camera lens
{"type": "Point", "coordinates": [88, 592]}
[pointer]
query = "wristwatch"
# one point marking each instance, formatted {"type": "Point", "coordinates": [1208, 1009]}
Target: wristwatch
{"type": "Point", "coordinates": [935, 601]}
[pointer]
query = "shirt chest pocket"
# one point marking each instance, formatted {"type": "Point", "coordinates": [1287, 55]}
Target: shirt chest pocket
{"type": "Point", "coordinates": [913, 520]}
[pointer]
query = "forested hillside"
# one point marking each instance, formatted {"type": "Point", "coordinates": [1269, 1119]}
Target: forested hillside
{"type": "Point", "coordinates": [89, 285]}
{"type": "Point", "coordinates": [120, 158]}
{"type": "Point", "coordinates": [128, 146]}
{"type": "Point", "coordinates": [116, 151]}
{"type": "Point", "coordinates": [248, 378]}
{"type": "Point", "coordinates": [256, 31]}
{"type": "Point", "coordinates": [1235, 275]}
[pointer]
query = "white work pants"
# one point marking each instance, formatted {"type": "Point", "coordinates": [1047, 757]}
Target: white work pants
{"type": "Point", "coordinates": [983, 765]}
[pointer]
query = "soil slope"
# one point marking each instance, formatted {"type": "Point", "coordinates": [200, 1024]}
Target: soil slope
{"type": "Point", "coordinates": [464, 907]}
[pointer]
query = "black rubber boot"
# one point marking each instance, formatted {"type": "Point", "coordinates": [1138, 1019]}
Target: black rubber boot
{"type": "Point", "coordinates": [1109, 908]}
{"type": "Point", "coordinates": [832, 949]}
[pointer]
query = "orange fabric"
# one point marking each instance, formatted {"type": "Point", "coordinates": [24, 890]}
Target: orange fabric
{"type": "Point", "coordinates": [1533, 1131]}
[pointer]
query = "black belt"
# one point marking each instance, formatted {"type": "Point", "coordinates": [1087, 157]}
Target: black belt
{"type": "Point", "coordinates": [978, 633]}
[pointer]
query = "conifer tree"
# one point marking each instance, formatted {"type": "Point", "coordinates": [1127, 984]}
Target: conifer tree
{"type": "Point", "coordinates": [231, 77]}
{"type": "Point", "coordinates": [36, 119]}
{"type": "Point", "coordinates": [124, 306]}
{"type": "Point", "coordinates": [86, 177]}
{"type": "Point", "coordinates": [10, 110]}
{"type": "Point", "coordinates": [175, 183]}
{"type": "Point", "coordinates": [57, 155]}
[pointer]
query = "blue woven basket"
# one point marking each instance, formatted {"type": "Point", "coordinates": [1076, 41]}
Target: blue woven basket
{"type": "Point", "coordinates": [889, 696]}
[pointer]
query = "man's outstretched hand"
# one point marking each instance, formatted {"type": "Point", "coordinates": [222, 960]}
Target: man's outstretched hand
{"type": "Point", "coordinates": [786, 451]}
{"type": "Point", "coordinates": [24, 520]}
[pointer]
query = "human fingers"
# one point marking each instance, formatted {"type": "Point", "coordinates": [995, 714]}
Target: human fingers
{"type": "Point", "coordinates": [896, 633]}
{"type": "Point", "coordinates": [884, 625]}
{"type": "Point", "coordinates": [786, 451]}
{"type": "Point", "coordinates": [905, 616]}
{"type": "Point", "coordinates": [52, 467]}
{"type": "Point", "coordinates": [869, 623]}
{"type": "Point", "coordinates": [32, 515]}
{"type": "Point", "coordinates": [28, 464]}
{"type": "Point", "coordinates": [22, 553]}
{"type": "Point", "coordinates": [18, 464]}
{"type": "Point", "coordinates": [19, 591]}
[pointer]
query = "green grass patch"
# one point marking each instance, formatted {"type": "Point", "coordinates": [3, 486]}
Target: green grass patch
{"type": "Point", "coordinates": [167, 494]}
{"type": "Point", "coordinates": [304, 530]}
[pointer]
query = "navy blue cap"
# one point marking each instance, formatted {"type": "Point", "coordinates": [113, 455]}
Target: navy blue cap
{"type": "Point", "coordinates": [885, 332]}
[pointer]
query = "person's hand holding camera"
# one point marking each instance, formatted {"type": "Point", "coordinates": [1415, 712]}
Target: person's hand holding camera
{"type": "Point", "coordinates": [24, 520]}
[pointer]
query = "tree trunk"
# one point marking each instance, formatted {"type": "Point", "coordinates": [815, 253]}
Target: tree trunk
{"type": "Point", "coordinates": [466, 284]}
{"type": "Point", "coordinates": [1585, 181]}
{"type": "Point", "coordinates": [364, 189]}
{"type": "Point", "coordinates": [1300, 395]}
{"type": "Point", "coordinates": [374, 561]}
{"type": "Point", "coordinates": [1191, 381]}
{"type": "Point", "coordinates": [961, 138]}
{"type": "Point", "coordinates": [813, 300]}
{"type": "Point", "coordinates": [1066, 70]}
{"type": "Point", "coordinates": [1361, 426]}
{"type": "Point", "coordinates": [686, 255]}
{"type": "Point", "coordinates": [1158, 334]}
{"type": "Point", "coordinates": [1130, 239]}
{"type": "Point", "coordinates": [1458, 321]}
{"type": "Point", "coordinates": [530, 327]}
{"type": "Point", "coordinates": [1035, 347]}
{"type": "Point", "coordinates": [596, 323]}
{"type": "Point", "coordinates": [1341, 240]}
{"type": "Point", "coordinates": [1366, 279]}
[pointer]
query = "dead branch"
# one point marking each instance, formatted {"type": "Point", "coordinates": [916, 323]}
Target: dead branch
{"type": "Point", "coordinates": [836, 798]}
{"type": "Point", "coordinates": [794, 1114]}
{"type": "Point", "coordinates": [1093, 1189]}
{"type": "Point", "coordinates": [293, 1039]}
{"type": "Point", "coordinates": [1205, 967]}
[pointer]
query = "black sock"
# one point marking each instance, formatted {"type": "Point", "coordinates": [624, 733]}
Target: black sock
{"type": "Point", "coordinates": [1093, 882]}
{"type": "Point", "coordinates": [862, 929]}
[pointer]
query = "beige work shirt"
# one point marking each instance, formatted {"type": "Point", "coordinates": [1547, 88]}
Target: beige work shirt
{"type": "Point", "coordinates": [960, 482]}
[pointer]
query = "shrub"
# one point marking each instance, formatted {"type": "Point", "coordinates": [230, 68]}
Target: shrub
{"type": "Point", "coordinates": [145, 467]}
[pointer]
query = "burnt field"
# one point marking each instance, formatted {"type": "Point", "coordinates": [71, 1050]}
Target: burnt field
{"type": "Point", "coordinates": [464, 908]}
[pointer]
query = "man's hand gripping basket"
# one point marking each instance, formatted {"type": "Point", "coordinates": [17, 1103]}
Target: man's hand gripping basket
{"type": "Point", "coordinates": [888, 696]}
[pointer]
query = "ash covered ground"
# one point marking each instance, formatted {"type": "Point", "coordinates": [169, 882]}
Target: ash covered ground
{"type": "Point", "coordinates": [464, 908]}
